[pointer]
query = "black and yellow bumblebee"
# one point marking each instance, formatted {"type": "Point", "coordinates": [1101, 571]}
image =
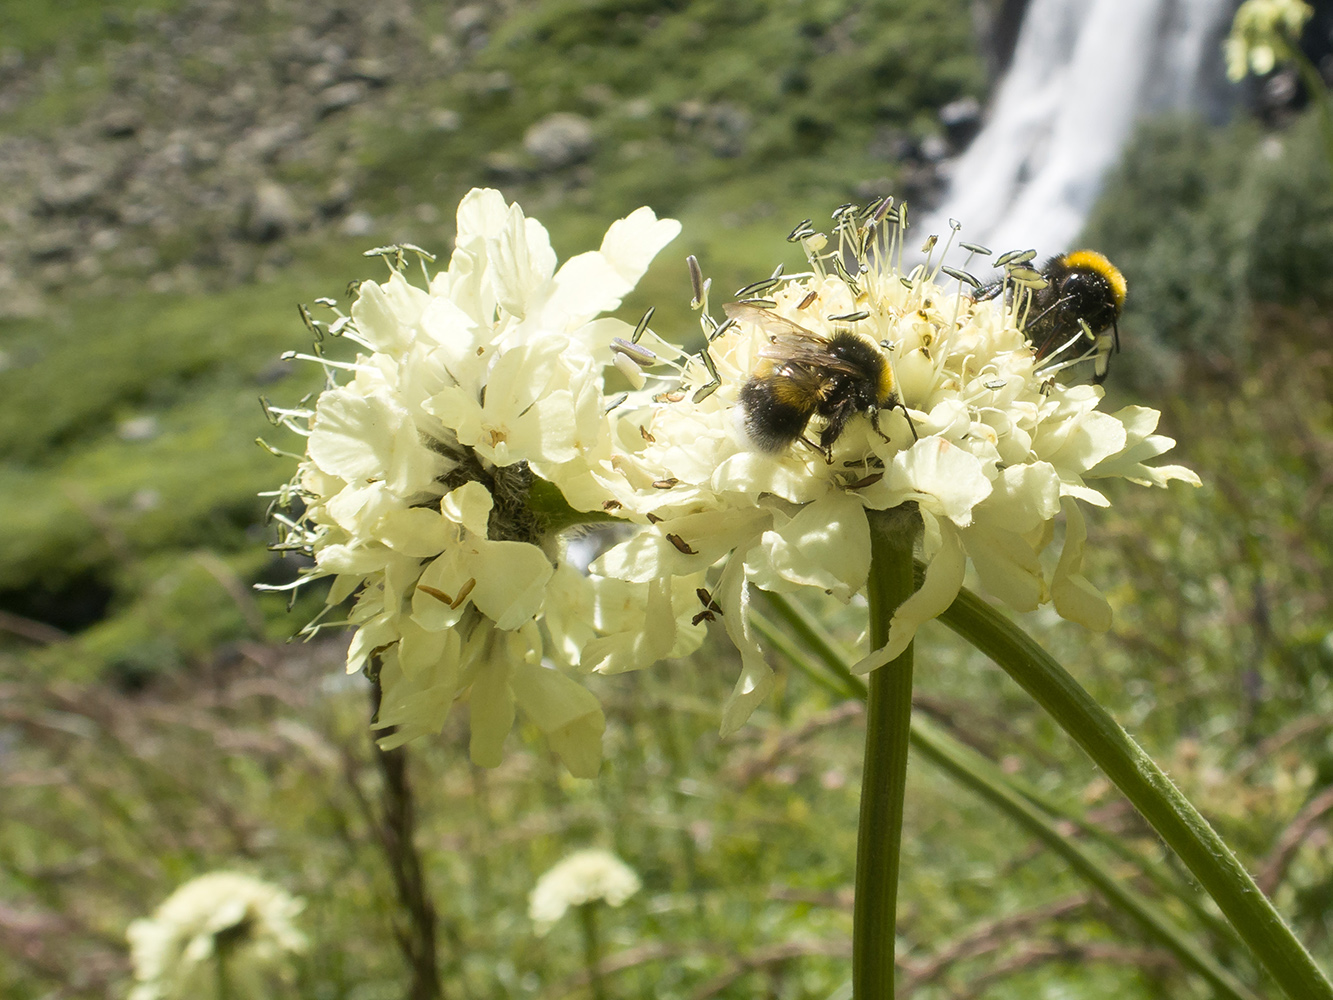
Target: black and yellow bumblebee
{"type": "Point", "coordinates": [1083, 296]}
{"type": "Point", "coordinates": [802, 374]}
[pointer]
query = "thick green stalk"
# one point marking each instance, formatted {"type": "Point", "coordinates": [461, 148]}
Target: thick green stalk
{"type": "Point", "coordinates": [1317, 90]}
{"type": "Point", "coordinates": [971, 769]}
{"type": "Point", "coordinates": [1012, 798]}
{"type": "Point", "coordinates": [884, 777]}
{"type": "Point", "coordinates": [592, 948]}
{"type": "Point", "coordinates": [1152, 793]}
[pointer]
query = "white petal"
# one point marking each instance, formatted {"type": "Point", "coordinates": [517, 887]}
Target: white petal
{"type": "Point", "coordinates": [545, 432]}
{"type": "Point", "coordinates": [417, 702]}
{"type": "Point", "coordinates": [458, 410]}
{"type": "Point", "coordinates": [376, 322]}
{"type": "Point", "coordinates": [491, 708]}
{"type": "Point", "coordinates": [1023, 496]}
{"type": "Point", "coordinates": [1087, 441]}
{"type": "Point", "coordinates": [469, 505]}
{"type": "Point", "coordinates": [826, 545]}
{"type": "Point", "coordinates": [1076, 599]}
{"type": "Point", "coordinates": [631, 243]}
{"type": "Point", "coordinates": [412, 466]}
{"type": "Point", "coordinates": [944, 578]}
{"type": "Point", "coordinates": [568, 715]}
{"type": "Point", "coordinates": [421, 651]}
{"type": "Point", "coordinates": [369, 637]}
{"type": "Point", "coordinates": [1007, 565]}
{"type": "Point", "coordinates": [353, 435]}
{"type": "Point", "coordinates": [435, 600]}
{"type": "Point", "coordinates": [638, 622]}
{"type": "Point", "coordinates": [482, 212]}
{"type": "Point", "coordinates": [511, 581]}
{"type": "Point", "coordinates": [756, 680]}
{"type": "Point", "coordinates": [944, 479]}
{"type": "Point", "coordinates": [416, 531]}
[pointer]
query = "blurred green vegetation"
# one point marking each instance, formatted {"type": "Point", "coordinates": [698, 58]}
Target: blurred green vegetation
{"type": "Point", "coordinates": [1206, 223]}
{"type": "Point", "coordinates": [168, 732]}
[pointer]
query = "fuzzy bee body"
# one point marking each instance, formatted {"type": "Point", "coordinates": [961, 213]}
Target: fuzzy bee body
{"type": "Point", "coordinates": [802, 375]}
{"type": "Point", "coordinates": [1083, 297]}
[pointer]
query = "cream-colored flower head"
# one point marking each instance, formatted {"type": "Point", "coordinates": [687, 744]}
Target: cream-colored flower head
{"type": "Point", "coordinates": [1262, 33]}
{"type": "Point", "coordinates": [241, 921]}
{"type": "Point", "coordinates": [970, 429]}
{"type": "Point", "coordinates": [421, 484]}
{"type": "Point", "coordinates": [583, 877]}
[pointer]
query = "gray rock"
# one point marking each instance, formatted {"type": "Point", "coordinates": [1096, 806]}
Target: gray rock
{"type": "Point", "coordinates": [53, 244]}
{"type": "Point", "coordinates": [272, 213]}
{"type": "Point", "coordinates": [73, 194]}
{"type": "Point", "coordinates": [120, 123]}
{"type": "Point", "coordinates": [934, 148]}
{"type": "Point", "coordinates": [445, 120]}
{"type": "Point", "coordinates": [560, 140]}
{"type": "Point", "coordinates": [725, 129]}
{"type": "Point", "coordinates": [375, 72]}
{"type": "Point", "coordinates": [340, 96]}
{"type": "Point", "coordinates": [358, 224]}
{"type": "Point", "coordinates": [964, 111]}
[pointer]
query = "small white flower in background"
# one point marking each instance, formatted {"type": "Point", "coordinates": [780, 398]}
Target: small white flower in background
{"type": "Point", "coordinates": [583, 877]}
{"type": "Point", "coordinates": [1263, 32]}
{"type": "Point", "coordinates": [223, 916]}
{"type": "Point", "coordinates": [420, 480]}
{"type": "Point", "coordinates": [994, 451]}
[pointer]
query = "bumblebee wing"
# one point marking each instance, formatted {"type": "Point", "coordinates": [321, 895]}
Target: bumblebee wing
{"type": "Point", "coordinates": [770, 322]}
{"type": "Point", "coordinates": [793, 351]}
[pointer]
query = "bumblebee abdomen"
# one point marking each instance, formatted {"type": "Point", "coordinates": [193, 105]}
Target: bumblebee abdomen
{"type": "Point", "coordinates": [775, 413]}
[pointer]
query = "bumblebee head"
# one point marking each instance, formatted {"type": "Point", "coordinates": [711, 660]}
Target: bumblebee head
{"type": "Point", "coordinates": [1091, 260]}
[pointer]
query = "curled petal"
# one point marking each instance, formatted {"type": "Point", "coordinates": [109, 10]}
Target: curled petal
{"type": "Point", "coordinates": [756, 680]}
{"type": "Point", "coordinates": [944, 578]}
{"type": "Point", "coordinates": [1008, 567]}
{"type": "Point", "coordinates": [1076, 599]}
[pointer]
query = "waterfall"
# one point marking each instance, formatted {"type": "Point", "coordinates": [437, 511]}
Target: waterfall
{"type": "Point", "coordinates": [1082, 72]}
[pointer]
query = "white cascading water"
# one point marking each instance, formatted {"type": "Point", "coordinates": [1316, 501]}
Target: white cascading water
{"type": "Point", "coordinates": [1082, 72]}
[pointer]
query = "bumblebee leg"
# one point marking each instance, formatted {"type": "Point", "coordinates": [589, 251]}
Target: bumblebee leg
{"type": "Point", "coordinates": [874, 422]}
{"type": "Point", "coordinates": [910, 424]}
{"type": "Point", "coordinates": [825, 450]}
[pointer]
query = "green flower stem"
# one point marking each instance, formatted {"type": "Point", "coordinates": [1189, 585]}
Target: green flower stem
{"type": "Point", "coordinates": [221, 981]}
{"type": "Point", "coordinates": [970, 769]}
{"type": "Point", "coordinates": [1318, 93]}
{"type": "Point", "coordinates": [1152, 793]}
{"type": "Point", "coordinates": [592, 949]}
{"type": "Point", "coordinates": [1169, 881]}
{"type": "Point", "coordinates": [975, 772]}
{"type": "Point", "coordinates": [884, 777]}
{"type": "Point", "coordinates": [833, 673]}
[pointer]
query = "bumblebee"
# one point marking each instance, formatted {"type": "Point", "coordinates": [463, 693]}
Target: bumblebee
{"type": "Point", "coordinates": [802, 374]}
{"type": "Point", "coordinates": [1083, 297]}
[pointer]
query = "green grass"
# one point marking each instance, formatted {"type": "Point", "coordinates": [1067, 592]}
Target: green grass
{"type": "Point", "coordinates": [78, 26]}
